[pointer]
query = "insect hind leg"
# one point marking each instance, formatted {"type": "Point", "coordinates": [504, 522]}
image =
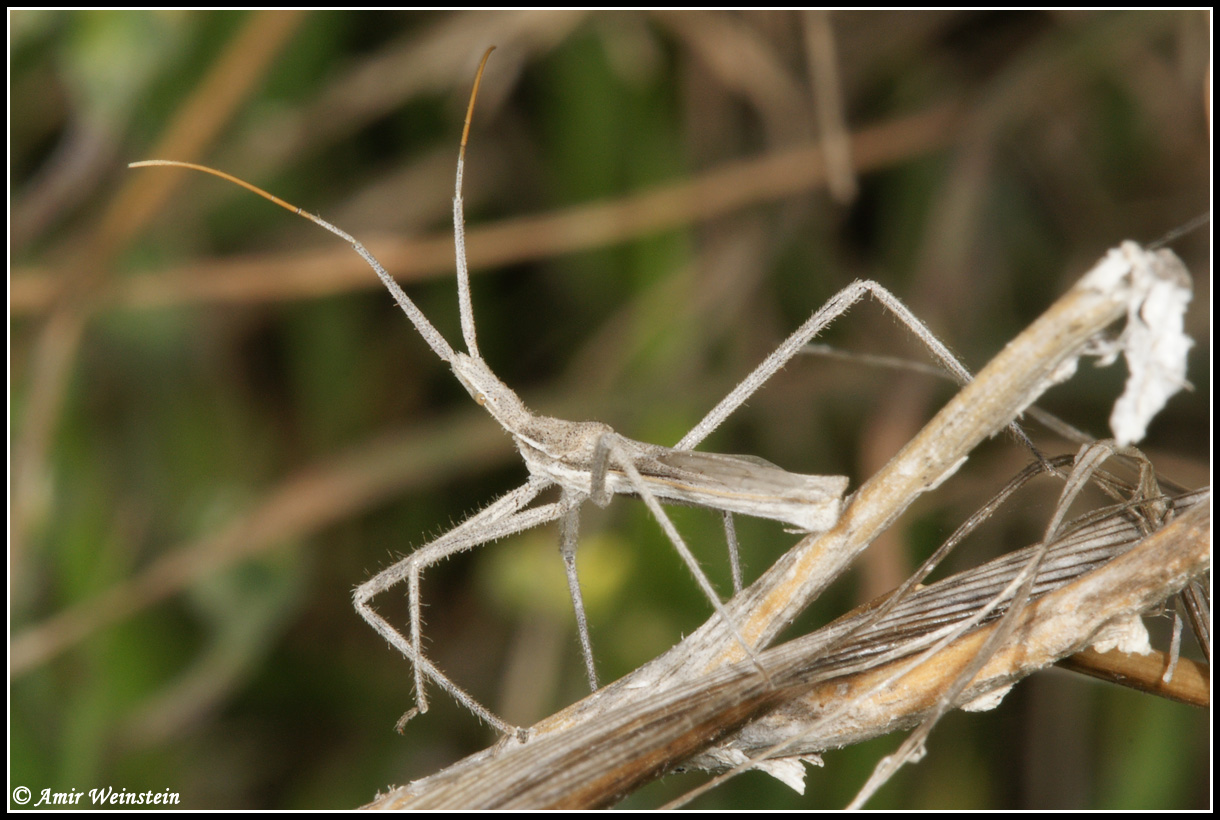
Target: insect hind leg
{"type": "Point", "coordinates": [823, 316]}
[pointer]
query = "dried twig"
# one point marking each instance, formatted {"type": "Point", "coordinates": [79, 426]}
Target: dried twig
{"type": "Point", "coordinates": [599, 760]}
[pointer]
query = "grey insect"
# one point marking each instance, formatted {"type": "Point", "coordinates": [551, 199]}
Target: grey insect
{"type": "Point", "coordinates": [589, 461]}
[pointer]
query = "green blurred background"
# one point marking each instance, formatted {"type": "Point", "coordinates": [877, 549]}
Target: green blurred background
{"type": "Point", "coordinates": [220, 424]}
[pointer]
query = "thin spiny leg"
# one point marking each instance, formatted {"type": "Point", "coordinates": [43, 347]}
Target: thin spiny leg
{"type": "Point", "coordinates": [503, 517]}
{"type": "Point", "coordinates": [396, 640]}
{"type": "Point", "coordinates": [610, 442]}
{"type": "Point", "coordinates": [413, 597]}
{"type": "Point", "coordinates": [508, 525]}
{"type": "Point", "coordinates": [835, 306]}
{"type": "Point", "coordinates": [568, 527]}
{"type": "Point", "coordinates": [470, 533]}
{"type": "Point", "coordinates": [730, 535]}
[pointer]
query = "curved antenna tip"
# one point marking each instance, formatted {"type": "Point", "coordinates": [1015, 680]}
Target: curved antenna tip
{"type": "Point", "coordinates": [474, 93]}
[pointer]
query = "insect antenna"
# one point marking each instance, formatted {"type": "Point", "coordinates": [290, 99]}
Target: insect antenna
{"type": "Point", "coordinates": [431, 335]}
{"type": "Point", "coordinates": [459, 222]}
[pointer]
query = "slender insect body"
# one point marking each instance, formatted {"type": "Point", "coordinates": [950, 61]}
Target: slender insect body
{"type": "Point", "coordinates": [588, 461]}
{"type": "Point", "coordinates": [739, 484]}
{"type": "Point", "coordinates": [750, 485]}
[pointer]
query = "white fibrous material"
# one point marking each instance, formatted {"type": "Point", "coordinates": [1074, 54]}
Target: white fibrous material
{"type": "Point", "coordinates": [1153, 342]}
{"type": "Point", "coordinates": [1126, 635]}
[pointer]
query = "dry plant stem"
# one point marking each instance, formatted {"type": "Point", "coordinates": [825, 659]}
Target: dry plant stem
{"type": "Point", "coordinates": [1189, 684]}
{"type": "Point", "coordinates": [861, 642]}
{"type": "Point", "coordinates": [722, 190]}
{"type": "Point", "coordinates": [828, 103]}
{"type": "Point", "coordinates": [843, 710]}
{"type": "Point", "coordinates": [597, 761]}
{"type": "Point", "coordinates": [1017, 593]}
{"type": "Point", "coordinates": [1053, 626]}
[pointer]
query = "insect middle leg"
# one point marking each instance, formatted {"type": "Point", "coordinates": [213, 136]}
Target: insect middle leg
{"type": "Point", "coordinates": [569, 527]}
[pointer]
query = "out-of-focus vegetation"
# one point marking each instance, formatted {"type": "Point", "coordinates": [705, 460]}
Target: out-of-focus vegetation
{"type": "Point", "coordinates": [221, 424]}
